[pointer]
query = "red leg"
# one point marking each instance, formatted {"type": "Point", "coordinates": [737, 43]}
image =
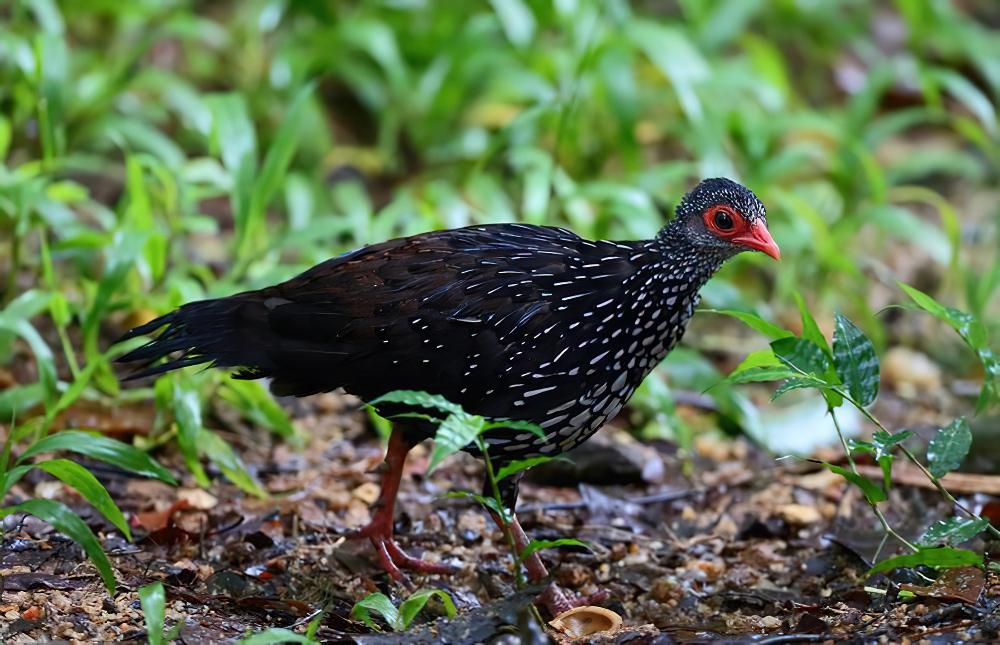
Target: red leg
{"type": "Point", "coordinates": [554, 598]}
{"type": "Point", "coordinates": [379, 529]}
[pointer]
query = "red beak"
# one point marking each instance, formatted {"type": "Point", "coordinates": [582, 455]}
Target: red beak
{"type": "Point", "coordinates": [759, 239]}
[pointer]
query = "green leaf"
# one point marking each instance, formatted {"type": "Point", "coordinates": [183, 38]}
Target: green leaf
{"type": "Point", "coordinates": [953, 530]}
{"type": "Point", "coordinates": [72, 526]}
{"type": "Point", "coordinates": [810, 330]}
{"type": "Point", "coordinates": [258, 406]}
{"type": "Point", "coordinates": [516, 466]}
{"type": "Point", "coordinates": [855, 360]}
{"type": "Point", "coordinates": [873, 492]}
{"type": "Point", "coordinates": [102, 448]}
{"type": "Point", "coordinates": [539, 545]}
{"type": "Point", "coordinates": [760, 373]}
{"type": "Point", "coordinates": [488, 503]}
{"type": "Point", "coordinates": [967, 325]}
{"type": "Point", "coordinates": [186, 405]}
{"type": "Point", "coordinates": [81, 480]}
{"type": "Point", "coordinates": [796, 384]}
{"type": "Point", "coordinates": [11, 477]}
{"type": "Point", "coordinates": [410, 607]}
{"type": "Point", "coordinates": [420, 399]}
{"type": "Point", "coordinates": [153, 599]}
{"type": "Point", "coordinates": [939, 558]}
{"type": "Point", "coordinates": [510, 424]}
{"type": "Point", "coordinates": [801, 354]}
{"type": "Point", "coordinates": [948, 448]}
{"type": "Point", "coordinates": [754, 321]}
{"type": "Point", "coordinates": [276, 635]}
{"type": "Point", "coordinates": [225, 458]}
{"type": "Point", "coordinates": [456, 432]}
{"type": "Point", "coordinates": [377, 602]}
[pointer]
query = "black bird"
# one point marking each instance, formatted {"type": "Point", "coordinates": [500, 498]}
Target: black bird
{"type": "Point", "coordinates": [510, 321]}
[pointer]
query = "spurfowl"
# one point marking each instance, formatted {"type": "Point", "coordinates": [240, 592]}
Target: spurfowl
{"type": "Point", "coordinates": [510, 321]}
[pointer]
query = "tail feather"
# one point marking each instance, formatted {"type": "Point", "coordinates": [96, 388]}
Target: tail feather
{"type": "Point", "coordinates": [225, 332]}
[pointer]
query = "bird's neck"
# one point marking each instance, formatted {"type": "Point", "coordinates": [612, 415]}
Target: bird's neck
{"type": "Point", "coordinates": [686, 262]}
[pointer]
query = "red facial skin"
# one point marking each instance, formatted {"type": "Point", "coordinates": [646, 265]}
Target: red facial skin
{"type": "Point", "coordinates": [754, 236]}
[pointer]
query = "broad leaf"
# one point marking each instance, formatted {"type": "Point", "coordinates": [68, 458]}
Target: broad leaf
{"type": "Point", "coordinates": [940, 558]}
{"type": "Point", "coordinates": [222, 455]}
{"type": "Point", "coordinates": [72, 526]}
{"type": "Point", "coordinates": [810, 330]}
{"type": "Point", "coordinates": [948, 448]}
{"type": "Point", "coordinates": [967, 325]}
{"type": "Point", "coordinates": [801, 354]}
{"type": "Point", "coordinates": [518, 465]}
{"type": "Point", "coordinates": [103, 449]}
{"type": "Point", "coordinates": [855, 360]}
{"type": "Point", "coordinates": [873, 493]}
{"type": "Point", "coordinates": [277, 636]}
{"type": "Point", "coordinates": [420, 399]}
{"type": "Point", "coordinates": [761, 373]}
{"type": "Point", "coordinates": [796, 384]}
{"type": "Point", "coordinates": [81, 480]}
{"type": "Point", "coordinates": [488, 503]}
{"type": "Point", "coordinates": [953, 530]}
{"type": "Point", "coordinates": [410, 607]}
{"type": "Point", "coordinates": [456, 432]}
{"type": "Point", "coordinates": [153, 600]}
{"type": "Point", "coordinates": [380, 603]}
{"type": "Point", "coordinates": [753, 321]}
{"type": "Point", "coordinates": [539, 545]}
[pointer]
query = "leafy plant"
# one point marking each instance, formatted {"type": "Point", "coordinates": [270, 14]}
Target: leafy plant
{"type": "Point", "coordinates": [399, 619]}
{"type": "Point", "coordinates": [153, 600]}
{"type": "Point", "coordinates": [849, 372]}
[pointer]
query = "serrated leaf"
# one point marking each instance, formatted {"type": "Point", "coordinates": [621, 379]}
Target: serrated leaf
{"type": "Point", "coordinates": [967, 325]}
{"type": "Point", "coordinates": [872, 491]}
{"type": "Point", "coordinates": [83, 482]}
{"type": "Point", "coordinates": [153, 600]}
{"type": "Point", "coordinates": [456, 432]}
{"type": "Point", "coordinates": [72, 526]}
{"type": "Point", "coordinates": [948, 448]}
{"type": "Point", "coordinates": [801, 354]}
{"type": "Point", "coordinates": [377, 602]}
{"type": "Point", "coordinates": [103, 449]}
{"type": "Point", "coordinates": [953, 530]}
{"type": "Point", "coordinates": [753, 321]}
{"type": "Point", "coordinates": [410, 607]}
{"type": "Point", "coordinates": [939, 558]}
{"type": "Point", "coordinates": [795, 384]}
{"type": "Point", "coordinates": [855, 361]}
{"type": "Point", "coordinates": [419, 399]}
{"type": "Point", "coordinates": [538, 545]}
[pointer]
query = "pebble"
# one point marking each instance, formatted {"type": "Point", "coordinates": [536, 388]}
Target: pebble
{"type": "Point", "coordinates": [800, 514]}
{"type": "Point", "coordinates": [910, 371]}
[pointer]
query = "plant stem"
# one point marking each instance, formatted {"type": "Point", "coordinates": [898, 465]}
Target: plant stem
{"type": "Point", "coordinates": [504, 519]}
{"type": "Point", "coordinates": [916, 462]}
{"type": "Point", "coordinates": [875, 509]}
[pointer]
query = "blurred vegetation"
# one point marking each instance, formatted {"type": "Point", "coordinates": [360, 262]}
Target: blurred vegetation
{"type": "Point", "coordinates": [157, 152]}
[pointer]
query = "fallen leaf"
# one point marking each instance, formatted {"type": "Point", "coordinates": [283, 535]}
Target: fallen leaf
{"type": "Point", "coordinates": [964, 584]}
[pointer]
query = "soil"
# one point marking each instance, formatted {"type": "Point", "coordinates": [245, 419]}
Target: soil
{"type": "Point", "coordinates": [744, 548]}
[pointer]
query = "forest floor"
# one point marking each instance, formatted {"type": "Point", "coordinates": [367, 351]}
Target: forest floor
{"type": "Point", "coordinates": [746, 547]}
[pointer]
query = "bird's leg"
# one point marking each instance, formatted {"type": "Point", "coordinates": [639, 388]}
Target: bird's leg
{"type": "Point", "coordinates": [555, 599]}
{"type": "Point", "coordinates": [379, 530]}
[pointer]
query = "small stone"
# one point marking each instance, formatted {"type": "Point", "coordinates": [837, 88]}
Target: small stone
{"type": "Point", "coordinates": [198, 498]}
{"type": "Point", "coordinates": [770, 622]}
{"type": "Point", "coordinates": [800, 514]}
{"type": "Point", "coordinates": [910, 371]}
{"type": "Point", "coordinates": [367, 492]}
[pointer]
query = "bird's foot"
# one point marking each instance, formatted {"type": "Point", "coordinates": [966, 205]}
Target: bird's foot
{"type": "Point", "coordinates": [557, 600]}
{"type": "Point", "coordinates": [393, 558]}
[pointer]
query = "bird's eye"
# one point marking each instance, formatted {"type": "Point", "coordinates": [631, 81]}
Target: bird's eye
{"type": "Point", "coordinates": [724, 221]}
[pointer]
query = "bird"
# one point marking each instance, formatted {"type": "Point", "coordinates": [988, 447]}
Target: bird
{"type": "Point", "coordinates": [510, 321]}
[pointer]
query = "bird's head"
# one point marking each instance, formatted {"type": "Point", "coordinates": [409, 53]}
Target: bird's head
{"type": "Point", "coordinates": [725, 217]}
